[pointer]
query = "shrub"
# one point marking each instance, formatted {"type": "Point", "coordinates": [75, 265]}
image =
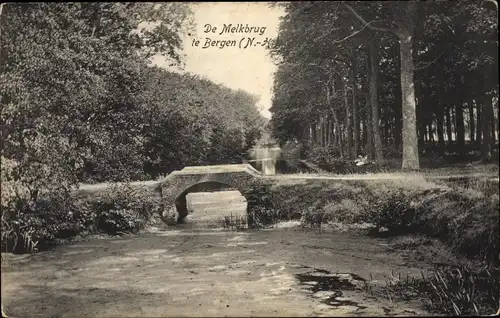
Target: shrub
{"type": "Point", "coordinates": [346, 211]}
{"type": "Point", "coordinates": [37, 224]}
{"type": "Point", "coordinates": [393, 211]}
{"type": "Point", "coordinates": [328, 159]}
{"type": "Point", "coordinates": [313, 218]}
{"type": "Point", "coordinates": [27, 225]}
{"type": "Point", "coordinates": [260, 206]}
{"type": "Point", "coordinates": [236, 222]}
{"type": "Point", "coordinates": [124, 209]}
{"type": "Point", "coordinates": [289, 202]}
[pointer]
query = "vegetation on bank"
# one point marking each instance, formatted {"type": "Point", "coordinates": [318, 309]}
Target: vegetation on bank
{"type": "Point", "coordinates": [464, 218]}
{"type": "Point", "coordinates": [29, 226]}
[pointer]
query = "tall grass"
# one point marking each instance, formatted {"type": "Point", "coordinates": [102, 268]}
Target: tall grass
{"type": "Point", "coordinates": [452, 291]}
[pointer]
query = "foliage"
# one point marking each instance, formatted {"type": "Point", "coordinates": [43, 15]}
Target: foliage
{"type": "Point", "coordinates": [236, 222]}
{"type": "Point", "coordinates": [260, 206]}
{"type": "Point", "coordinates": [25, 226]}
{"type": "Point", "coordinates": [207, 129]}
{"type": "Point", "coordinates": [80, 104]}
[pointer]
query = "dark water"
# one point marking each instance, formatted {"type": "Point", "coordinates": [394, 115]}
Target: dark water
{"type": "Point", "coordinates": [325, 281]}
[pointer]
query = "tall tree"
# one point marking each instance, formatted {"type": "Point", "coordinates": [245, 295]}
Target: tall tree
{"type": "Point", "coordinates": [403, 16]}
{"type": "Point", "coordinates": [377, 137]}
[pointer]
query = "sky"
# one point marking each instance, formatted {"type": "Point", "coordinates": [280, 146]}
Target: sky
{"type": "Point", "coordinates": [250, 68]}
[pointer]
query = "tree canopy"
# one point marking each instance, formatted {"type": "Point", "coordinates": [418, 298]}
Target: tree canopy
{"type": "Point", "coordinates": [80, 104]}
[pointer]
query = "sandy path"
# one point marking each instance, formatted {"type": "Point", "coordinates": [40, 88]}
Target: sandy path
{"type": "Point", "coordinates": [196, 272]}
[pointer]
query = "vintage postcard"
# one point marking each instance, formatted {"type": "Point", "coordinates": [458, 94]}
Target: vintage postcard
{"type": "Point", "coordinates": [238, 159]}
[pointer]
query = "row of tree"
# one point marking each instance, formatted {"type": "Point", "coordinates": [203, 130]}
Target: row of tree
{"type": "Point", "coordinates": [80, 102]}
{"type": "Point", "coordinates": [382, 77]}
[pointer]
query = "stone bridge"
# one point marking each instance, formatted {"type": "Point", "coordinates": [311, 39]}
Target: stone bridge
{"type": "Point", "coordinates": [177, 185]}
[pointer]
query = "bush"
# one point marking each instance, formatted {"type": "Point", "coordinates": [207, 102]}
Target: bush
{"type": "Point", "coordinates": [313, 218]}
{"type": "Point", "coordinates": [346, 211]}
{"type": "Point", "coordinates": [393, 211]}
{"type": "Point", "coordinates": [465, 219]}
{"type": "Point", "coordinates": [260, 206]}
{"type": "Point", "coordinates": [124, 209]}
{"type": "Point", "coordinates": [27, 226]}
{"type": "Point", "coordinates": [328, 159]}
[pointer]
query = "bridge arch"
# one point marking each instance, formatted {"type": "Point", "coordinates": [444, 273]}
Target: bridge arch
{"type": "Point", "coordinates": [204, 186]}
{"type": "Point", "coordinates": [178, 184]}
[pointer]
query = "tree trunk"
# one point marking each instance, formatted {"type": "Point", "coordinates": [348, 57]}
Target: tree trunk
{"type": "Point", "coordinates": [377, 138]}
{"type": "Point", "coordinates": [448, 126]}
{"type": "Point", "coordinates": [479, 122]}
{"type": "Point", "coordinates": [329, 137]}
{"type": "Point", "coordinates": [410, 140]}
{"type": "Point", "coordinates": [341, 140]}
{"type": "Point", "coordinates": [472, 126]}
{"type": "Point", "coordinates": [493, 121]}
{"type": "Point", "coordinates": [321, 132]}
{"type": "Point", "coordinates": [362, 137]}
{"type": "Point", "coordinates": [398, 119]}
{"type": "Point", "coordinates": [454, 122]}
{"type": "Point", "coordinates": [355, 110]}
{"type": "Point", "coordinates": [326, 129]}
{"type": "Point", "coordinates": [313, 129]}
{"type": "Point", "coordinates": [487, 122]}
{"type": "Point", "coordinates": [459, 124]}
{"type": "Point", "coordinates": [385, 120]}
{"type": "Point", "coordinates": [369, 130]}
{"type": "Point", "coordinates": [348, 121]}
{"type": "Point", "coordinates": [440, 128]}
{"type": "Point", "coordinates": [431, 132]}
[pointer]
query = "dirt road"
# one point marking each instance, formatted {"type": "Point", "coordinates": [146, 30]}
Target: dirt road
{"type": "Point", "coordinates": [200, 272]}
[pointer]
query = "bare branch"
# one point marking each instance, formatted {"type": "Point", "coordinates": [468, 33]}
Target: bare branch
{"type": "Point", "coordinates": [331, 28]}
{"type": "Point", "coordinates": [352, 34]}
{"type": "Point", "coordinates": [326, 33]}
{"type": "Point", "coordinates": [367, 24]}
{"type": "Point", "coordinates": [428, 64]}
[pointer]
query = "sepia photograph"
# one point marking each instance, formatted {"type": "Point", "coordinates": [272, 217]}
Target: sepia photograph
{"type": "Point", "coordinates": [249, 159]}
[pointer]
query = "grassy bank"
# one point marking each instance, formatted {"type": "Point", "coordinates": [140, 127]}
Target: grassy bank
{"type": "Point", "coordinates": [463, 216]}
